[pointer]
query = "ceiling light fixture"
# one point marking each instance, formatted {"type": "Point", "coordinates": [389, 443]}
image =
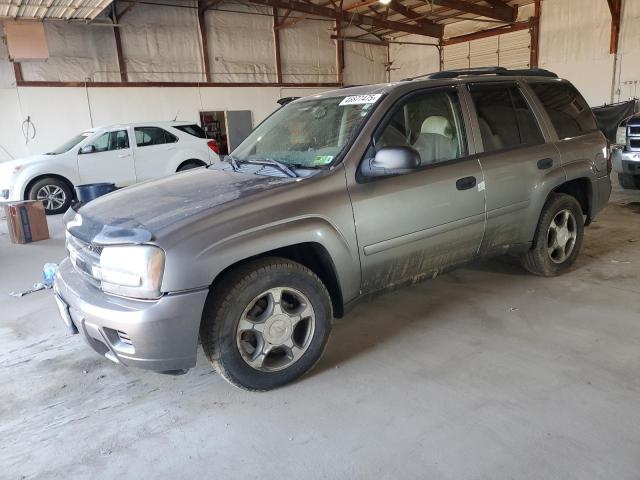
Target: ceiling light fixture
{"type": "Point", "coordinates": [385, 2]}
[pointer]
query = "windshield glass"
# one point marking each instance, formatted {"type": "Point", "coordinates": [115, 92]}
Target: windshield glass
{"type": "Point", "coordinates": [70, 144]}
{"type": "Point", "coordinates": [309, 133]}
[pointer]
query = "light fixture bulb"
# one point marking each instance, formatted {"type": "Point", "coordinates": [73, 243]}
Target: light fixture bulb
{"type": "Point", "coordinates": [385, 2]}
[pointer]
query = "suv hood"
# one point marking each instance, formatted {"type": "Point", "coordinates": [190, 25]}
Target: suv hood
{"type": "Point", "coordinates": [169, 203]}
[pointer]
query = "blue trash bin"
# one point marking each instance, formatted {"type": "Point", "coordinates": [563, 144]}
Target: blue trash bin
{"type": "Point", "coordinates": [91, 191]}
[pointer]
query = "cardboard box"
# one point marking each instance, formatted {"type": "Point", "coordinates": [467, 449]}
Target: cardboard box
{"type": "Point", "coordinates": [26, 221]}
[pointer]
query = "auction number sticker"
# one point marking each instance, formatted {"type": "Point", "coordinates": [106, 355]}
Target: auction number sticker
{"type": "Point", "coordinates": [360, 99]}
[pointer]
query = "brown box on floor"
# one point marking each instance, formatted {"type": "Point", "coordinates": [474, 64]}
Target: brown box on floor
{"type": "Point", "coordinates": [26, 221]}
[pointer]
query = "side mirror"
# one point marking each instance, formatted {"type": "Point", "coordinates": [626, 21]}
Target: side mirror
{"type": "Point", "coordinates": [87, 149]}
{"type": "Point", "coordinates": [391, 161]}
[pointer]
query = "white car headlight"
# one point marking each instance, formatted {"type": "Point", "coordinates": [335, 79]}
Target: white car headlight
{"type": "Point", "coordinates": [131, 270]}
{"type": "Point", "coordinates": [621, 136]}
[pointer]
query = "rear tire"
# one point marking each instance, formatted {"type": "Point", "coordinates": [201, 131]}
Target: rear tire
{"type": "Point", "coordinates": [266, 324]}
{"type": "Point", "coordinates": [189, 164]}
{"type": "Point", "coordinates": [629, 181]}
{"type": "Point", "coordinates": [558, 237]}
{"type": "Point", "coordinates": [55, 194]}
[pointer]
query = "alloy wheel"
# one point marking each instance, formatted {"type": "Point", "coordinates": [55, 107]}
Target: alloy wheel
{"type": "Point", "coordinates": [52, 196]}
{"type": "Point", "coordinates": [275, 329]}
{"type": "Point", "coordinates": [561, 236]}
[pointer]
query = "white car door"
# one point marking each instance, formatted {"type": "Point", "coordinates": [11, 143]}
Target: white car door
{"type": "Point", "coordinates": [107, 158]}
{"type": "Point", "coordinates": [156, 153]}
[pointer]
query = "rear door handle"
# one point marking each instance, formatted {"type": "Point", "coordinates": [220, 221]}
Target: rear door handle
{"type": "Point", "coordinates": [545, 163]}
{"type": "Point", "coordinates": [465, 183]}
{"type": "Point", "coordinates": [123, 155]}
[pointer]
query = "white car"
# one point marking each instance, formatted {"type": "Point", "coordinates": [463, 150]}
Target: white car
{"type": "Point", "coordinates": [119, 154]}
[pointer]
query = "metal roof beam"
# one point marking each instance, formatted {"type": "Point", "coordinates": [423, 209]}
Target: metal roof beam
{"type": "Point", "coordinates": [354, 18]}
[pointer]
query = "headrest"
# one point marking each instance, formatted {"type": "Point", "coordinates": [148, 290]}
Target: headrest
{"type": "Point", "coordinates": [437, 125]}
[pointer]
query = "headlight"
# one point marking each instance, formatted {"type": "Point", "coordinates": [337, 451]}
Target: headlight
{"type": "Point", "coordinates": [621, 136]}
{"type": "Point", "coordinates": [131, 270]}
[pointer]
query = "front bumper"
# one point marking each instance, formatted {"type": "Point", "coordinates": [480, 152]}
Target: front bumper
{"type": "Point", "coordinates": [160, 335]}
{"type": "Point", "coordinates": [627, 162]}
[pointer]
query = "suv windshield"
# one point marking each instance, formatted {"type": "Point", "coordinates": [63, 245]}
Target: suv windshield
{"type": "Point", "coordinates": [65, 147]}
{"type": "Point", "coordinates": [308, 133]}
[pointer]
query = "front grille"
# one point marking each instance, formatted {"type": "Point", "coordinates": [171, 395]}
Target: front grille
{"type": "Point", "coordinates": [635, 130]}
{"type": "Point", "coordinates": [634, 143]}
{"type": "Point", "coordinates": [124, 338]}
{"type": "Point", "coordinates": [84, 257]}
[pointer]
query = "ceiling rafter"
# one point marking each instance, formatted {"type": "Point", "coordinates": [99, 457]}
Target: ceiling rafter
{"type": "Point", "coordinates": [503, 13]}
{"type": "Point", "coordinates": [429, 30]}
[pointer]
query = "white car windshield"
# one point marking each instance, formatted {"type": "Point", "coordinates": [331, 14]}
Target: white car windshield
{"type": "Point", "coordinates": [65, 147]}
{"type": "Point", "coordinates": [308, 133]}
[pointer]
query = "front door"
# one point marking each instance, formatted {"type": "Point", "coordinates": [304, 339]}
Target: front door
{"type": "Point", "coordinates": [110, 160]}
{"type": "Point", "coordinates": [412, 225]}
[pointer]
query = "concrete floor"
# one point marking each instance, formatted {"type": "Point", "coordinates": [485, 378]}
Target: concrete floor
{"type": "Point", "coordinates": [486, 372]}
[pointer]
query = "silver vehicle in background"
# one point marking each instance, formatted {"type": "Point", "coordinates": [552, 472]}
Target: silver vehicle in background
{"type": "Point", "coordinates": [333, 198]}
{"type": "Point", "coordinates": [626, 159]}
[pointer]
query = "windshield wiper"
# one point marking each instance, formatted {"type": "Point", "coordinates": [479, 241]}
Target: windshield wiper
{"type": "Point", "coordinates": [283, 167]}
{"type": "Point", "coordinates": [232, 160]}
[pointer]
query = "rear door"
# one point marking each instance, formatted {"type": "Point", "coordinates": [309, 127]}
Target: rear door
{"type": "Point", "coordinates": [111, 160]}
{"type": "Point", "coordinates": [156, 153]}
{"type": "Point", "coordinates": [412, 225]}
{"type": "Point", "coordinates": [516, 160]}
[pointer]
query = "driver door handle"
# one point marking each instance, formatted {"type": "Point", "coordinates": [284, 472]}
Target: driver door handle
{"type": "Point", "coordinates": [465, 183]}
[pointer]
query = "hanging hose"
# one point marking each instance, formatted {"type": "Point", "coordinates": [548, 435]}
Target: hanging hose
{"type": "Point", "coordinates": [27, 127]}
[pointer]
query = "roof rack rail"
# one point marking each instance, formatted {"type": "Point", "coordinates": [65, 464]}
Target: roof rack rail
{"type": "Point", "coordinates": [527, 72]}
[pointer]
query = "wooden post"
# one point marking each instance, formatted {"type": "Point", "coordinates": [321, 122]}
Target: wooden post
{"type": "Point", "coordinates": [122, 66]}
{"type": "Point", "coordinates": [276, 41]}
{"type": "Point", "coordinates": [17, 70]}
{"type": "Point", "coordinates": [206, 65]}
{"type": "Point", "coordinates": [339, 52]}
{"type": "Point", "coordinates": [615, 7]}
{"type": "Point", "coordinates": [534, 30]}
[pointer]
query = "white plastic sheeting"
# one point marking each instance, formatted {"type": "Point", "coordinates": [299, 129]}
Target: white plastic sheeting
{"type": "Point", "coordinates": [76, 53]}
{"type": "Point", "coordinates": [308, 53]}
{"type": "Point", "coordinates": [627, 85]}
{"type": "Point", "coordinates": [412, 60]}
{"type": "Point", "coordinates": [162, 43]}
{"type": "Point", "coordinates": [241, 45]}
{"type": "Point", "coordinates": [574, 43]}
{"type": "Point", "coordinates": [364, 63]}
{"type": "Point", "coordinates": [7, 77]}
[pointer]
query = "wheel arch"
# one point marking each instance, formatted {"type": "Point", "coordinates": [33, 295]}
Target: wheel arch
{"type": "Point", "coordinates": [312, 255]}
{"type": "Point", "coordinates": [37, 178]}
{"type": "Point", "coordinates": [582, 190]}
{"type": "Point", "coordinates": [191, 160]}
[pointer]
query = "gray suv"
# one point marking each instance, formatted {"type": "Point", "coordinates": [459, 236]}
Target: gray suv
{"type": "Point", "coordinates": [333, 198]}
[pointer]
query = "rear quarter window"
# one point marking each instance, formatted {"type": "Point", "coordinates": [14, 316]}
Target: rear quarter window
{"type": "Point", "coordinates": [568, 111]}
{"type": "Point", "coordinates": [193, 130]}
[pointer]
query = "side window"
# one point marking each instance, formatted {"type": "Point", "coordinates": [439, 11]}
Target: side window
{"type": "Point", "coordinates": [568, 111]}
{"type": "Point", "coordinates": [118, 140]}
{"type": "Point", "coordinates": [101, 143]}
{"type": "Point", "coordinates": [146, 136]}
{"type": "Point", "coordinates": [429, 122]}
{"type": "Point", "coordinates": [505, 119]}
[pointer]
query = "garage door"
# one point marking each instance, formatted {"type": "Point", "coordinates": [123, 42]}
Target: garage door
{"type": "Point", "coordinates": [510, 50]}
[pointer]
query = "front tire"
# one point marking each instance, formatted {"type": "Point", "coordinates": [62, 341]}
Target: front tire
{"type": "Point", "coordinates": [266, 324]}
{"type": "Point", "coordinates": [558, 237]}
{"type": "Point", "coordinates": [55, 195]}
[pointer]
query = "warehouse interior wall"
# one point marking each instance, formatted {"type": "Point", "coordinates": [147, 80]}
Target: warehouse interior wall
{"type": "Point", "coordinates": [162, 44]}
{"type": "Point", "coordinates": [574, 43]}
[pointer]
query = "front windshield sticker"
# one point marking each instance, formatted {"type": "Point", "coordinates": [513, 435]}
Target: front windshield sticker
{"type": "Point", "coordinates": [360, 99]}
{"type": "Point", "coordinates": [322, 159]}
